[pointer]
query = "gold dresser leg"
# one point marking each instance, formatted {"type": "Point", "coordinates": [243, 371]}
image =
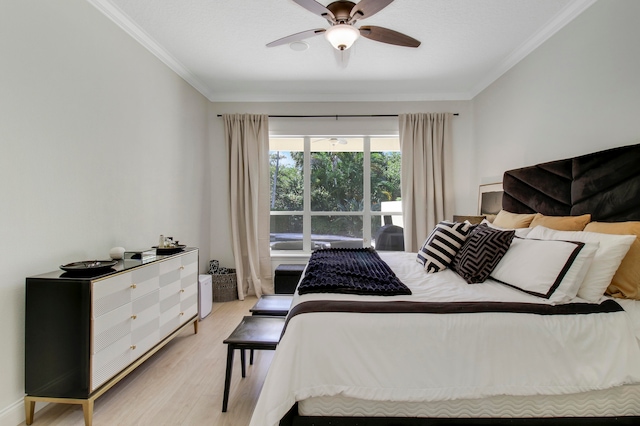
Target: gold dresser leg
{"type": "Point", "coordinates": [29, 409]}
{"type": "Point", "coordinates": [195, 326]}
{"type": "Point", "coordinates": [87, 409]}
{"type": "Point", "coordinates": [87, 406]}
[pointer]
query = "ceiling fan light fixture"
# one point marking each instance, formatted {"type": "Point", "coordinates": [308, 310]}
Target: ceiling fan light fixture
{"type": "Point", "coordinates": [342, 36]}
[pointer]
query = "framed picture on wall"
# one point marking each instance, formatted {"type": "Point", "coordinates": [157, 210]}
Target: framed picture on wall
{"type": "Point", "coordinates": [490, 199]}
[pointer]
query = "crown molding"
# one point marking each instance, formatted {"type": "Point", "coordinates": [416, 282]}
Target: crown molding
{"type": "Point", "coordinates": [568, 14]}
{"type": "Point", "coordinates": [339, 97]}
{"type": "Point", "coordinates": [116, 15]}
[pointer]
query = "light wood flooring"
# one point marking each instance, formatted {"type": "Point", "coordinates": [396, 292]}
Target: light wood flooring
{"type": "Point", "coordinates": [182, 384]}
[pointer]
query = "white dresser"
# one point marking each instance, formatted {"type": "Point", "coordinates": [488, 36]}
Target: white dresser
{"type": "Point", "coordinates": [84, 334]}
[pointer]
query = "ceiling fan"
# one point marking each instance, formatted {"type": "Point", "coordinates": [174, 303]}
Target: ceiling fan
{"type": "Point", "coordinates": [333, 141]}
{"type": "Point", "coordinates": [342, 16]}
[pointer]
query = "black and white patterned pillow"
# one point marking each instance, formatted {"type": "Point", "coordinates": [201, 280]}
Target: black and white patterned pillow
{"type": "Point", "coordinates": [441, 246]}
{"type": "Point", "coordinates": [481, 252]}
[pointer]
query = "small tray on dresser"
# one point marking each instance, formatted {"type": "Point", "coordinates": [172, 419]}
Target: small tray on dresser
{"type": "Point", "coordinates": [169, 250]}
{"type": "Point", "coordinates": [88, 265]}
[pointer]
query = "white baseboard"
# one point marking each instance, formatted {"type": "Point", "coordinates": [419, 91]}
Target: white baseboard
{"type": "Point", "coordinates": [13, 415]}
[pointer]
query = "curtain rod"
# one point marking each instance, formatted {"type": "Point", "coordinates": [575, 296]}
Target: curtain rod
{"type": "Point", "coordinates": [336, 116]}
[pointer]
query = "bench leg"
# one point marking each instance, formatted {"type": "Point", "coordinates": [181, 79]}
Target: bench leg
{"type": "Point", "coordinates": [227, 379]}
{"type": "Point", "coordinates": [243, 361]}
{"type": "Point", "coordinates": [251, 357]}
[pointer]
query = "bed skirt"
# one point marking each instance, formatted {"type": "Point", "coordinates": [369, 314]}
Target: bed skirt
{"type": "Point", "coordinates": [618, 405]}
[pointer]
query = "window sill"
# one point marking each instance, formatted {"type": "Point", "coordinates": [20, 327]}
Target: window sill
{"type": "Point", "coordinates": [284, 255]}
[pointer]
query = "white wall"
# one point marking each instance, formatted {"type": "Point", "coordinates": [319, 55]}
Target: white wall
{"type": "Point", "coordinates": [101, 146]}
{"type": "Point", "coordinates": [464, 194]}
{"type": "Point", "coordinates": [577, 93]}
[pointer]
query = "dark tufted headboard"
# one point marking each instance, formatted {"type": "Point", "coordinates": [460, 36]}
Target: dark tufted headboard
{"type": "Point", "coordinates": [605, 184]}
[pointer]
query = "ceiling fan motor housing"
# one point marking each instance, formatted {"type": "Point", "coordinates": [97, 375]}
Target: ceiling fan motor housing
{"type": "Point", "coordinates": [341, 9]}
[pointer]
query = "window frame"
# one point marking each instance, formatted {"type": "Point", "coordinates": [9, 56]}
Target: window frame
{"type": "Point", "coordinates": [367, 214]}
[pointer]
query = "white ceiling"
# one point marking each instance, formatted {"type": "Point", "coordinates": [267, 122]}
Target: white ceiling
{"type": "Point", "coordinates": [218, 46]}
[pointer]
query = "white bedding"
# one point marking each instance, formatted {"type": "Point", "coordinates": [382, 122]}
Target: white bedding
{"type": "Point", "coordinates": [436, 357]}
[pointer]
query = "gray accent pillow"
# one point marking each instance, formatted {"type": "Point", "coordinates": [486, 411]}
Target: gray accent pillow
{"type": "Point", "coordinates": [481, 252]}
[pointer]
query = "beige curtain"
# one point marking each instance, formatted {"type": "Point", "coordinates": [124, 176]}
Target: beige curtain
{"type": "Point", "coordinates": [247, 137]}
{"type": "Point", "coordinates": [425, 143]}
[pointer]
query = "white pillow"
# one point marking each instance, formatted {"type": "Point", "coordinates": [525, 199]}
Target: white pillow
{"type": "Point", "coordinates": [520, 232]}
{"type": "Point", "coordinates": [613, 248]}
{"type": "Point", "coordinates": [550, 269]}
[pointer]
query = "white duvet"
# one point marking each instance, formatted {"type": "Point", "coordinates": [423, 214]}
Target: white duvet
{"type": "Point", "coordinates": [432, 357]}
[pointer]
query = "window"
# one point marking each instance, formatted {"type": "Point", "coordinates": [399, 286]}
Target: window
{"type": "Point", "coordinates": [333, 192]}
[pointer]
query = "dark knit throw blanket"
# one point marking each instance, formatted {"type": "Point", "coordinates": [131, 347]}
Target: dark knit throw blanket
{"type": "Point", "coordinates": [351, 271]}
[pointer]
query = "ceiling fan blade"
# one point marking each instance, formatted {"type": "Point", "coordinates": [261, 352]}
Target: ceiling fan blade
{"type": "Point", "coordinates": [296, 37]}
{"type": "Point", "coordinates": [385, 35]}
{"type": "Point", "coordinates": [314, 7]}
{"type": "Point", "coordinates": [367, 8]}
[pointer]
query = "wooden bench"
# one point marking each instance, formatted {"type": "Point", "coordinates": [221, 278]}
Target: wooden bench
{"type": "Point", "coordinates": [272, 304]}
{"type": "Point", "coordinates": [254, 332]}
{"type": "Point", "coordinates": [277, 305]}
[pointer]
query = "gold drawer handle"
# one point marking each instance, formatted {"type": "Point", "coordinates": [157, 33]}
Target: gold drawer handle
{"type": "Point", "coordinates": [133, 286]}
{"type": "Point", "coordinates": [134, 316]}
{"type": "Point", "coordinates": [181, 314]}
{"type": "Point", "coordinates": [133, 347]}
{"type": "Point", "coordinates": [181, 268]}
{"type": "Point", "coordinates": [182, 290]}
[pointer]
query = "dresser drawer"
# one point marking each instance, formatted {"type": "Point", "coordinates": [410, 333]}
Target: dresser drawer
{"type": "Point", "coordinates": [189, 271]}
{"type": "Point", "coordinates": [145, 336]}
{"type": "Point", "coordinates": [145, 280]}
{"type": "Point", "coordinates": [170, 265]}
{"type": "Point", "coordinates": [110, 327]}
{"type": "Point", "coordinates": [143, 316]}
{"type": "Point", "coordinates": [111, 293]}
{"type": "Point", "coordinates": [189, 293]}
{"type": "Point", "coordinates": [149, 300]}
{"type": "Point", "coordinates": [188, 280]}
{"type": "Point", "coordinates": [146, 343]}
{"type": "Point", "coordinates": [169, 302]}
{"type": "Point", "coordinates": [170, 320]}
{"type": "Point", "coordinates": [169, 278]}
{"type": "Point", "coordinates": [110, 361]}
{"type": "Point", "coordinates": [189, 259]}
{"type": "Point", "coordinates": [188, 312]}
{"type": "Point", "coordinates": [170, 290]}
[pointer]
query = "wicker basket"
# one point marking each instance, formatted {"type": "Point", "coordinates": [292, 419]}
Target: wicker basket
{"type": "Point", "coordinates": [225, 286]}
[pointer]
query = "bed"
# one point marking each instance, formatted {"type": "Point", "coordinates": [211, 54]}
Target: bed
{"type": "Point", "coordinates": [504, 349]}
